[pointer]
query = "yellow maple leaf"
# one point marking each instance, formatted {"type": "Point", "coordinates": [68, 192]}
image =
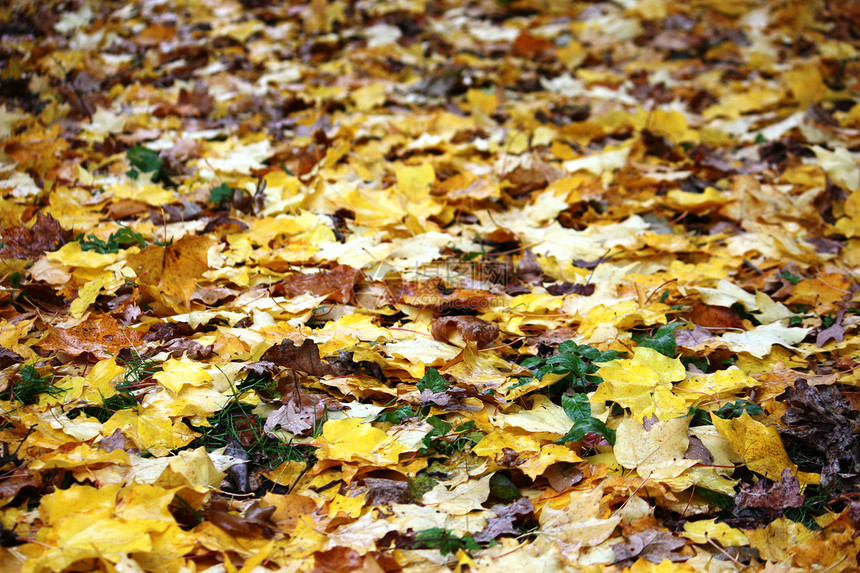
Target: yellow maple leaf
{"type": "Point", "coordinates": [759, 446]}
{"type": "Point", "coordinates": [584, 521]}
{"type": "Point", "coordinates": [657, 452]}
{"type": "Point", "coordinates": [643, 384]}
{"type": "Point", "coordinates": [153, 433]}
{"type": "Point", "coordinates": [174, 269]}
{"type": "Point", "coordinates": [703, 530]}
{"type": "Point", "coordinates": [178, 373]}
{"type": "Point", "coordinates": [351, 439]}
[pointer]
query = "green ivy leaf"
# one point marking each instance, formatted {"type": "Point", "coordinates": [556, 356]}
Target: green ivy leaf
{"type": "Point", "coordinates": [663, 340]}
{"type": "Point", "coordinates": [221, 194]}
{"type": "Point", "coordinates": [396, 416]}
{"type": "Point", "coordinates": [736, 410]}
{"type": "Point", "coordinates": [586, 426]}
{"type": "Point", "coordinates": [577, 407]}
{"type": "Point", "coordinates": [433, 381]}
{"type": "Point", "coordinates": [446, 542]}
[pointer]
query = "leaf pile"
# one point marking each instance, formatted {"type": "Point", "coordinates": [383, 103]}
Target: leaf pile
{"type": "Point", "coordinates": [333, 285]}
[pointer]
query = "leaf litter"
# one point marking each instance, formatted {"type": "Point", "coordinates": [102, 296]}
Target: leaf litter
{"type": "Point", "coordinates": [409, 286]}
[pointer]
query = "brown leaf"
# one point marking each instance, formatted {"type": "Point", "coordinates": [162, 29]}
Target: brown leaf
{"type": "Point", "coordinates": [529, 46]}
{"type": "Point", "coordinates": [698, 451]}
{"type": "Point", "coordinates": [31, 243]}
{"type": "Point", "coordinates": [301, 412]}
{"type": "Point", "coordinates": [433, 294]}
{"type": "Point", "coordinates": [470, 329]}
{"type": "Point", "coordinates": [693, 337]}
{"type": "Point", "coordinates": [9, 357]}
{"type": "Point", "coordinates": [103, 337]}
{"type": "Point", "coordinates": [337, 559]}
{"type": "Point", "coordinates": [562, 475]}
{"type": "Point", "coordinates": [714, 317]}
{"type": "Point", "coordinates": [337, 284]}
{"type": "Point", "coordinates": [835, 331]}
{"type": "Point", "coordinates": [820, 420]}
{"type": "Point", "coordinates": [219, 514]}
{"type": "Point", "coordinates": [344, 365]}
{"type": "Point", "coordinates": [506, 517]}
{"type": "Point", "coordinates": [536, 176]}
{"type": "Point", "coordinates": [774, 498]}
{"type": "Point", "coordinates": [116, 441]}
{"type": "Point", "coordinates": [188, 347]}
{"type": "Point", "coordinates": [382, 491]}
{"type": "Point", "coordinates": [561, 289]}
{"type": "Point", "coordinates": [262, 518]}
{"type": "Point", "coordinates": [125, 208]}
{"type": "Point", "coordinates": [174, 269]}
{"type": "Point", "coordinates": [654, 545]}
{"type": "Point", "coordinates": [12, 484]}
{"type": "Point", "coordinates": [304, 358]}
{"type": "Point", "coordinates": [528, 269]}
{"type": "Point", "coordinates": [238, 473]}
{"type": "Point", "coordinates": [198, 98]}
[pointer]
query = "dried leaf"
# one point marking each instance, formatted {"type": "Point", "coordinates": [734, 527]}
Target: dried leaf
{"type": "Point", "coordinates": [469, 328]}
{"type": "Point", "coordinates": [337, 284]}
{"type": "Point", "coordinates": [653, 544]}
{"type": "Point", "coordinates": [174, 269]}
{"type": "Point", "coordinates": [101, 336]}
{"type": "Point", "coordinates": [31, 243]}
{"type": "Point", "coordinates": [819, 420]}
{"type": "Point", "coordinates": [304, 358]}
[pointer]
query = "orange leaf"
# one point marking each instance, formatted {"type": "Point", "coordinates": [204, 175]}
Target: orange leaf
{"type": "Point", "coordinates": [173, 269]}
{"type": "Point", "coordinates": [102, 337]}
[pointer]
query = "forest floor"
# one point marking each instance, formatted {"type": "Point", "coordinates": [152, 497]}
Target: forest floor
{"type": "Point", "coordinates": [475, 286]}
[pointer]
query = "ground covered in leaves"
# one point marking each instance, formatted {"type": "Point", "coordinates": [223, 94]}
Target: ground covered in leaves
{"type": "Point", "coordinates": [530, 285]}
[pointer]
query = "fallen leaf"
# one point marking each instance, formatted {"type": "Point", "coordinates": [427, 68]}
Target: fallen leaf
{"type": "Point", "coordinates": [657, 452]}
{"type": "Point", "coordinates": [759, 446]}
{"type": "Point", "coordinates": [46, 234]}
{"type": "Point", "coordinates": [652, 544]}
{"type": "Point", "coordinates": [337, 284]}
{"type": "Point", "coordinates": [174, 269]}
{"type": "Point", "coordinates": [468, 328]}
{"type": "Point", "coordinates": [820, 420]}
{"type": "Point", "coordinates": [102, 336]}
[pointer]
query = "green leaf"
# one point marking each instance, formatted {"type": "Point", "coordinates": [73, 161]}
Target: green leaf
{"type": "Point", "coordinates": [700, 417]}
{"type": "Point", "coordinates": [663, 341]}
{"type": "Point", "coordinates": [440, 426]}
{"type": "Point", "coordinates": [736, 410]}
{"type": "Point", "coordinates": [221, 194]}
{"type": "Point", "coordinates": [144, 159]}
{"type": "Point", "coordinates": [576, 364]}
{"type": "Point", "coordinates": [446, 542]}
{"type": "Point", "coordinates": [122, 238]}
{"type": "Point", "coordinates": [433, 381]}
{"type": "Point", "coordinates": [564, 362]}
{"type": "Point", "coordinates": [396, 416]}
{"type": "Point", "coordinates": [789, 276]}
{"type": "Point", "coordinates": [577, 407]}
{"type": "Point", "coordinates": [503, 489]}
{"type": "Point", "coordinates": [585, 426]}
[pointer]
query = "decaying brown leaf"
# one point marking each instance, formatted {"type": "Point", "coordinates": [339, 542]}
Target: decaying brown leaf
{"type": "Point", "coordinates": [304, 358]}
{"type": "Point", "coordinates": [101, 336]}
{"type": "Point", "coordinates": [23, 242]}
{"type": "Point", "coordinates": [468, 328]}
{"type": "Point", "coordinates": [337, 284]}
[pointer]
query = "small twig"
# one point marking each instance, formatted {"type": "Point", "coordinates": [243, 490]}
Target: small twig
{"type": "Point", "coordinates": [728, 556]}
